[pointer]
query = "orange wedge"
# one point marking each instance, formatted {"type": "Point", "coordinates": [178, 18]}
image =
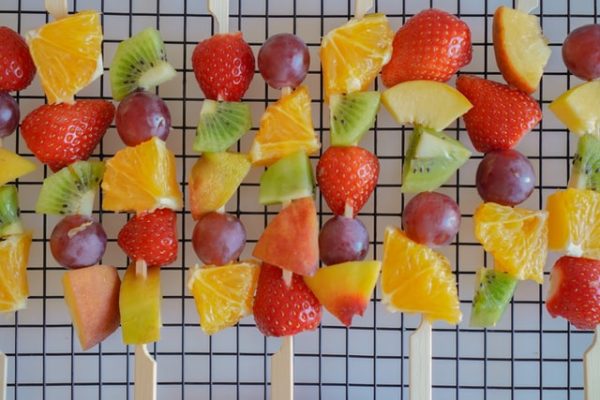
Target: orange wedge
{"type": "Point", "coordinates": [285, 128]}
{"type": "Point", "coordinates": [14, 254]}
{"type": "Point", "coordinates": [67, 54]}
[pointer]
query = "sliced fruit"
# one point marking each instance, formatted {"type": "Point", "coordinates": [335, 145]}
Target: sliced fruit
{"type": "Point", "coordinates": [353, 54]}
{"type": "Point", "coordinates": [13, 166]}
{"type": "Point", "coordinates": [345, 289]}
{"type": "Point", "coordinates": [516, 237]}
{"type": "Point", "coordinates": [285, 128]}
{"type": "Point", "coordinates": [586, 164]}
{"type": "Point", "coordinates": [10, 223]}
{"type": "Point", "coordinates": [224, 295]}
{"type": "Point", "coordinates": [141, 178]}
{"type": "Point", "coordinates": [139, 304]}
{"type": "Point", "coordinates": [68, 54]}
{"type": "Point", "coordinates": [71, 190]}
{"type": "Point", "coordinates": [221, 125]}
{"type": "Point", "coordinates": [214, 179]}
{"type": "Point", "coordinates": [416, 279]}
{"type": "Point", "coordinates": [574, 222]}
{"type": "Point", "coordinates": [521, 50]}
{"type": "Point", "coordinates": [493, 294]}
{"type": "Point", "coordinates": [431, 104]}
{"type": "Point", "coordinates": [351, 116]}
{"type": "Point", "coordinates": [288, 179]}
{"type": "Point", "coordinates": [14, 288]}
{"type": "Point", "coordinates": [92, 297]}
{"type": "Point", "coordinates": [140, 62]}
{"type": "Point", "coordinates": [290, 241]}
{"type": "Point", "coordinates": [576, 108]}
{"type": "Point", "coordinates": [432, 158]}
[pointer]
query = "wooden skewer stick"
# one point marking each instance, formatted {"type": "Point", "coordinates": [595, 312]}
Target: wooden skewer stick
{"type": "Point", "coordinates": [592, 369]}
{"type": "Point", "coordinates": [527, 6]}
{"type": "Point", "coordinates": [145, 365]}
{"type": "Point", "coordinates": [3, 375]}
{"type": "Point", "coordinates": [362, 7]}
{"type": "Point", "coordinates": [57, 8]}
{"type": "Point", "coordinates": [220, 11]}
{"type": "Point", "coordinates": [420, 362]}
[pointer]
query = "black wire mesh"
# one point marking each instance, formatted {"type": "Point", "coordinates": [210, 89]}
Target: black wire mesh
{"type": "Point", "coordinates": [528, 356]}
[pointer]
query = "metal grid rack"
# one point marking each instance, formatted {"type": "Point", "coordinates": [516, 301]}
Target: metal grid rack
{"type": "Point", "coordinates": [527, 356]}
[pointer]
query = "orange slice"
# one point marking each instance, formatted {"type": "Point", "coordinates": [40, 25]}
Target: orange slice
{"type": "Point", "coordinates": [14, 254]}
{"type": "Point", "coordinates": [141, 178]}
{"type": "Point", "coordinates": [67, 54]}
{"type": "Point", "coordinates": [224, 295]}
{"type": "Point", "coordinates": [416, 279]}
{"type": "Point", "coordinates": [353, 54]}
{"type": "Point", "coordinates": [517, 238]}
{"type": "Point", "coordinates": [285, 128]}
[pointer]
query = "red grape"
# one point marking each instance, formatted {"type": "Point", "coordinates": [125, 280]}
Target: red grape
{"type": "Point", "coordinates": [505, 177]}
{"type": "Point", "coordinates": [77, 241]}
{"type": "Point", "coordinates": [343, 239]}
{"type": "Point", "coordinates": [9, 114]}
{"type": "Point", "coordinates": [431, 218]}
{"type": "Point", "coordinates": [581, 52]}
{"type": "Point", "coordinates": [142, 115]}
{"type": "Point", "coordinates": [283, 60]}
{"type": "Point", "coordinates": [218, 239]}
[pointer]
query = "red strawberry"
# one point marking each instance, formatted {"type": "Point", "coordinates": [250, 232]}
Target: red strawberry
{"type": "Point", "coordinates": [151, 237]}
{"type": "Point", "coordinates": [224, 66]}
{"type": "Point", "coordinates": [347, 175]}
{"type": "Point", "coordinates": [61, 134]}
{"type": "Point", "coordinates": [500, 116]}
{"type": "Point", "coordinates": [16, 65]}
{"type": "Point", "coordinates": [432, 45]}
{"type": "Point", "coordinates": [575, 291]}
{"type": "Point", "coordinates": [280, 310]}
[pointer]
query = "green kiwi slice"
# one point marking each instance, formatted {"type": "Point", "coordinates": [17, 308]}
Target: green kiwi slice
{"type": "Point", "coordinates": [586, 164]}
{"type": "Point", "coordinates": [431, 159]}
{"type": "Point", "coordinates": [221, 124]}
{"type": "Point", "coordinates": [71, 190]}
{"type": "Point", "coordinates": [140, 62]}
{"type": "Point", "coordinates": [494, 291]}
{"type": "Point", "coordinates": [10, 223]}
{"type": "Point", "coordinates": [352, 115]}
{"type": "Point", "coordinates": [288, 179]}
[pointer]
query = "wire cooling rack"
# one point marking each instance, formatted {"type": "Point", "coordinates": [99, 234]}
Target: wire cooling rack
{"type": "Point", "coordinates": [527, 356]}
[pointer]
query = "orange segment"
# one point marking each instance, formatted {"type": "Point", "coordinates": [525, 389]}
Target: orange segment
{"type": "Point", "coordinates": [353, 54]}
{"type": "Point", "coordinates": [416, 279]}
{"type": "Point", "coordinates": [285, 128]}
{"type": "Point", "coordinates": [14, 254]}
{"type": "Point", "coordinates": [67, 54]}
{"type": "Point", "coordinates": [574, 222]}
{"type": "Point", "coordinates": [517, 238]}
{"type": "Point", "coordinates": [224, 295]}
{"type": "Point", "coordinates": [141, 178]}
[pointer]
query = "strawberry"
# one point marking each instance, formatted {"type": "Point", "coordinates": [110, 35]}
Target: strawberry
{"type": "Point", "coordinates": [500, 116]}
{"type": "Point", "coordinates": [281, 310]}
{"type": "Point", "coordinates": [224, 66]}
{"type": "Point", "coordinates": [432, 45]}
{"type": "Point", "coordinates": [16, 65]}
{"type": "Point", "coordinates": [151, 237]}
{"type": "Point", "coordinates": [61, 134]}
{"type": "Point", "coordinates": [575, 291]}
{"type": "Point", "coordinates": [347, 175]}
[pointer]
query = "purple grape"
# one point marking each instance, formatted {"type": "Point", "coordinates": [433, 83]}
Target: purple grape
{"type": "Point", "coordinates": [343, 239]}
{"type": "Point", "coordinates": [142, 115]}
{"type": "Point", "coordinates": [283, 60]}
{"type": "Point", "coordinates": [218, 239]}
{"type": "Point", "coordinates": [431, 218]}
{"type": "Point", "coordinates": [78, 241]}
{"type": "Point", "coordinates": [581, 52]}
{"type": "Point", "coordinates": [505, 177]}
{"type": "Point", "coordinates": [9, 114]}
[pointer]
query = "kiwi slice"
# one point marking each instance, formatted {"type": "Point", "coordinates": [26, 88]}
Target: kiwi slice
{"type": "Point", "coordinates": [352, 115]}
{"type": "Point", "coordinates": [586, 164]}
{"type": "Point", "coordinates": [288, 179]}
{"type": "Point", "coordinates": [494, 291]}
{"type": "Point", "coordinates": [71, 190]}
{"type": "Point", "coordinates": [10, 223]}
{"type": "Point", "coordinates": [222, 123]}
{"type": "Point", "coordinates": [431, 159]}
{"type": "Point", "coordinates": [140, 62]}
